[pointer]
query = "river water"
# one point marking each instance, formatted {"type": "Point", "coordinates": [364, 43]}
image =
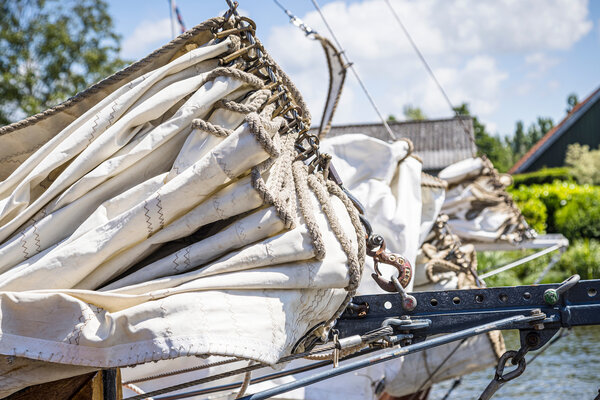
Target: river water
{"type": "Point", "coordinates": [569, 369]}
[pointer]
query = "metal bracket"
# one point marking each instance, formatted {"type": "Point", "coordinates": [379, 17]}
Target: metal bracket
{"type": "Point", "coordinates": [454, 310]}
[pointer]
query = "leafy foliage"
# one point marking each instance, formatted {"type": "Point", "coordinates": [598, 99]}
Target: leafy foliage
{"type": "Point", "coordinates": [534, 211]}
{"type": "Point", "coordinates": [581, 258]}
{"type": "Point", "coordinates": [524, 274]}
{"type": "Point", "coordinates": [572, 101]}
{"type": "Point", "coordinates": [584, 162]}
{"type": "Point", "coordinates": [522, 141]}
{"type": "Point", "coordinates": [50, 50]}
{"type": "Point", "coordinates": [573, 210]}
{"type": "Point", "coordinates": [413, 113]}
{"type": "Point", "coordinates": [580, 217]}
{"type": "Point", "coordinates": [545, 175]}
{"type": "Point", "coordinates": [556, 196]}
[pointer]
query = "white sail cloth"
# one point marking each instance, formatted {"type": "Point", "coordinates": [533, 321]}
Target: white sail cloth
{"type": "Point", "coordinates": [479, 208]}
{"type": "Point", "coordinates": [185, 150]}
{"type": "Point", "coordinates": [402, 204]}
{"type": "Point", "coordinates": [387, 179]}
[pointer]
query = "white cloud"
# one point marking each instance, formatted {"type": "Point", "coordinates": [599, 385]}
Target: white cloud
{"type": "Point", "coordinates": [540, 63]}
{"type": "Point", "coordinates": [462, 40]}
{"type": "Point", "coordinates": [147, 36]}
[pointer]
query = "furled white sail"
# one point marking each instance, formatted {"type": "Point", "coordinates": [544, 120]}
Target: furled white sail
{"type": "Point", "coordinates": [478, 206]}
{"type": "Point", "coordinates": [403, 205]}
{"type": "Point", "coordinates": [163, 214]}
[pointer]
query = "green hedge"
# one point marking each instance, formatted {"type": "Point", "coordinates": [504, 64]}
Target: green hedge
{"type": "Point", "coordinates": [583, 258]}
{"type": "Point", "coordinates": [535, 212]}
{"type": "Point", "coordinates": [571, 209]}
{"type": "Point", "coordinates": [545, 175]}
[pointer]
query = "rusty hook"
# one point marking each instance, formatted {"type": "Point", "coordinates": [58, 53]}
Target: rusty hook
{"type": "Point", "coordinates": [395, 260]}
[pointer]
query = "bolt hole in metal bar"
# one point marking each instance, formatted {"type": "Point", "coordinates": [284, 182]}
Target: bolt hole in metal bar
{"type": "Point", "coordinates": [592, 292]}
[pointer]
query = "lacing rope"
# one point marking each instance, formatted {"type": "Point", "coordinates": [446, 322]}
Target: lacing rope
{"type": "Point", "coordinates": [318, 187]}
{"type": "Point", "coordinates": [300, 173]}
{"type": "Point", "coordinates": [256, 123]}
{"type": "Point", "coordinates": [354, 217]}
{"type": "Point", "coordinates": [211, 128]}
{"type": "Point", "coordinates": [252, 104]}
{"type": "Point", "coordinates": [282, 211]}
{"type": "Point", "coordinates": [236, 73]}
{"type": "Point", "coordinates": [522, 230]}
{"type": "Point", "coordinates": [136, 389]}
{"type": "Point", "coordinates": [246, 383]}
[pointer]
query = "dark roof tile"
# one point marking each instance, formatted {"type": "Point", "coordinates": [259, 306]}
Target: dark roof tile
{"type": "Point", "coordinates": [438, 142]}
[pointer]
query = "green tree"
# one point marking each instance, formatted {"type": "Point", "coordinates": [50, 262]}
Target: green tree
{"type": "Point", "coordinates": [50, 50]}
{"type": "Point", "coordinates": [522, 141]}
{"type": "Point", "coordinates": [413, 113]}
{"type": "Point", "coordinates": [584, 163]}
{"type": "Point", "coordinates": [519, 140]}
{"type": "Point", "coordinates": [572, 101]}
{"type": "Point", "coordinates": [492, 146]}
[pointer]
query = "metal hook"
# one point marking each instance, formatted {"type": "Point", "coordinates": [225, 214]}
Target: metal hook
{"type": "Point", "coordinates": [395, 260]}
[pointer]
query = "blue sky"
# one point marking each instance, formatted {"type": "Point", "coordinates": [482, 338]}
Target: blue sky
{"type": "Point", "coordinates": [510, 60]}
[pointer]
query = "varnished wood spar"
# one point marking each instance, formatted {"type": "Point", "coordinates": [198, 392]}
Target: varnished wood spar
{"type": "Point", "coordinates": [101, 385]}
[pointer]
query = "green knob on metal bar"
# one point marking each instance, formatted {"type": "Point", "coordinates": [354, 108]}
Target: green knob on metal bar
{"type": "Point", "coordinates": [551, 296]}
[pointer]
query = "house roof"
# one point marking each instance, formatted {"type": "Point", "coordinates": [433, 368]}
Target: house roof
{"type": "Point", "coordinates": [552, 135]}
{"type": "Point", "coordinates": [438, 143]}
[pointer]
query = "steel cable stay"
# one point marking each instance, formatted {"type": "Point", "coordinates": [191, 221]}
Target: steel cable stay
{"type": "Point", "coordinates": [524, 260]}
{"type": "Point", "coordinates": [353, 69]}
{"type": "Point", "coordinates": [429, 70]}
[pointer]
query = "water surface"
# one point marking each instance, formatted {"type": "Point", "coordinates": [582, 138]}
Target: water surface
{"type": "Point", "coordinates": [569, 369]}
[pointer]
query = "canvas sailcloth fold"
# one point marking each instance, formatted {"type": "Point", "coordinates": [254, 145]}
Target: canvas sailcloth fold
{"type": "Point", "coordinates": [478, 206]}
{"type": "Point", "coordinates": [403, 204]}
{"type": "Point", "coordinates": [163, 214]}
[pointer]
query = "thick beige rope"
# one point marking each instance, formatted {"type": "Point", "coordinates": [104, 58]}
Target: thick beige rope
{"type": "Point", "coordinates": [300, 173]}
{"type": "Point", "coordinates": [254, 102]}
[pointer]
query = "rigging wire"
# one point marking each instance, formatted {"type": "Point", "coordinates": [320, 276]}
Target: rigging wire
{"type": "Point", "coordinates": [430, 71]}
{"type": "Point", "coordinates": [350, 65]}
{"type": "Point", "coordinates": [435, 371]}
{"type": "Point", "coordinates": [294, 20]}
